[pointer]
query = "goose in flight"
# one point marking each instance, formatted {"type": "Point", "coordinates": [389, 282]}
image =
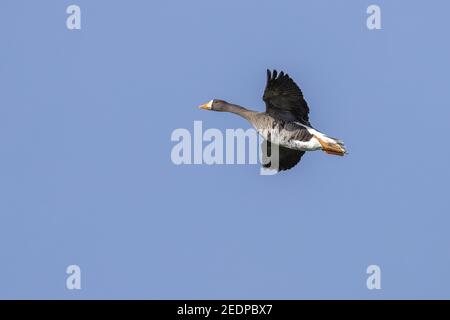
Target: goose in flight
{"type": "Point", "coordinates": [284, 123]}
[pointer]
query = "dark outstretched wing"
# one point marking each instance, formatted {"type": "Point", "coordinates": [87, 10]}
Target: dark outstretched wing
{"type": "Point", "coordinates": [284, 99]}
{"type": "Point", "coordinates": [288, 158]}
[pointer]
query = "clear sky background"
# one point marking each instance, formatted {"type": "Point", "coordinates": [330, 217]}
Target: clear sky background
{"type": "Point", "coordinates": [86, 176]}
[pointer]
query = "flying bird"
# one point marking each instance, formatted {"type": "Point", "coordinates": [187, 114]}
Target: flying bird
{"type": "Point", "coordinates": [284, 123]}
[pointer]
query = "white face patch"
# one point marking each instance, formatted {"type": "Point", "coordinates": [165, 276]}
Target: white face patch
{"type": "Point", "coordinates": [209, 104]}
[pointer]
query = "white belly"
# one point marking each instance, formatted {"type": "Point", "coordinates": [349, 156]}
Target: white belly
{"type": "Point", "coordinates": [311, 145]}
{"type": "Point", "coordinates": [282, 138]}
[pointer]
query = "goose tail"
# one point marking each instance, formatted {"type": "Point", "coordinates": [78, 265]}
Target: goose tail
{"type": "Point", "coordinates": [332, 146]}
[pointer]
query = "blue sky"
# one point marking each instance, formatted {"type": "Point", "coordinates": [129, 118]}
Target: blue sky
{"type": "Point", "coordinates": [86, 176]}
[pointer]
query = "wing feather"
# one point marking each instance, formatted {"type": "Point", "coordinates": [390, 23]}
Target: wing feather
{"type": "Point", "coordinates": [284, 99]}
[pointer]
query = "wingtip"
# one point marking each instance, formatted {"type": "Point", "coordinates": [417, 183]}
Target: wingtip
{"type": "Point", "coordinates": [274, 74]}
